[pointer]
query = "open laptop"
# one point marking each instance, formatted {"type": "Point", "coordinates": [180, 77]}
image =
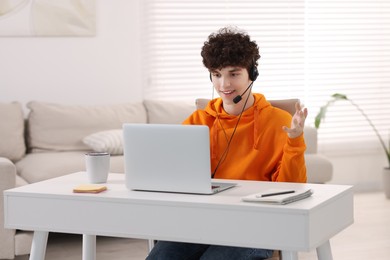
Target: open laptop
{"type": "Point", "coordinates": [169, 158]}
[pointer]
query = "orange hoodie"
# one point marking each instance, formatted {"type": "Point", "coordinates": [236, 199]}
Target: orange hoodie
{"type": "Point", "coordinates": [260, 149]}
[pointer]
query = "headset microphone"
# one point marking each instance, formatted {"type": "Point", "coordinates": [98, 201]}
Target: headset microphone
{"type": "Point", "coordinates": [239, 97]}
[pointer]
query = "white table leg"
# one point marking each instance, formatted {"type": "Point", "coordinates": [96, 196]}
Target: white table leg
{"type": "Point", "coordinates": [289, 255]}
{"type": "Point", "coordinates": [150, 244]}
{"type": "Point", "coordinates": [89, 247]}
{"type": "Point", "coordinates": [324, 252]}
{"type": "Point", "coordinates": [38, 247]}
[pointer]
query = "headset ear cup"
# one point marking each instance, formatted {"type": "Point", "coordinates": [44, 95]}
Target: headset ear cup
{"type": "Point", "coordinates": [254, 73]}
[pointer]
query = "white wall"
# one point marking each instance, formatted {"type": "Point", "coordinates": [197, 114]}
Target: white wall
{"type": "Point", "coordinates": [107, 69]}
{"type": "Point", "coordinates": [85, 70]}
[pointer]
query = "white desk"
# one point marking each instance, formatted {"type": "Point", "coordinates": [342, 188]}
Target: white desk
{"type": "Point", "coordinates": [51, 206]}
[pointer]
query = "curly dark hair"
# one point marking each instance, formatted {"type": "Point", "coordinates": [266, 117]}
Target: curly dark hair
{"type": "Point", "coordinates": [229, 47]}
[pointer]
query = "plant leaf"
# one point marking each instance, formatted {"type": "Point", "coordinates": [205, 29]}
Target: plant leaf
{"type": "Point", "coordinates": [339, 96]}
{"type": "Point", "coordinates": [320, 116]}
{"type": "Point", "coordinates": [322, 112]}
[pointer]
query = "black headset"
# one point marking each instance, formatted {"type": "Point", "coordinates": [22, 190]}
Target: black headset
{"type": "Point", "coordinates": [253, 73]}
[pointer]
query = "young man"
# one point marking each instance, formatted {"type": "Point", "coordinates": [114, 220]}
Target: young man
{"type": "Point", "coordinates": [249, 138]}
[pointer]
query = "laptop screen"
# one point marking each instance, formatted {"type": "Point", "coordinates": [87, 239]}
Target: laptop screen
{"type": "Point", "coordinates": [172, 158]}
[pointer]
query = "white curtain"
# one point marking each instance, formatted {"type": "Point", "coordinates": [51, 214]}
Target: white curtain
{"type": "Point", "coordinates": [309, 50]}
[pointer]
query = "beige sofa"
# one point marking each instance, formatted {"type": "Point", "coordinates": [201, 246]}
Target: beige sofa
{"type": "Point", "coordinates": [45, 140]}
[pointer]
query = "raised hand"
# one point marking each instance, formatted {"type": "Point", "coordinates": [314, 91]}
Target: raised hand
{"type": "Point", "coordinates": [297, 122]}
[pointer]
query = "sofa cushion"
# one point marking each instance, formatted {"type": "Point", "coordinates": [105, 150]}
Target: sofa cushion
{"type": "Point", "coordinates": [20, 181]}
{"type": "Point", "coordinates": [168, 112]}
{"type": "Point", "coordinates": [45, 165]}
{"type": "Point", "coordinates": [12, 143]}
{"type": "Point", "coordinates": [110, 141]}
{"type": "Point", "coordinates": [56, 127]}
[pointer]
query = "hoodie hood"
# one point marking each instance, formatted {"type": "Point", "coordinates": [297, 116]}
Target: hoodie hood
{"type": "Point", "coordinates": [215, 109]}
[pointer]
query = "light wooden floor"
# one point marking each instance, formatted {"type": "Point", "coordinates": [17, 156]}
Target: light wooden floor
{"type": "Point", "coordinates": [368, 238]}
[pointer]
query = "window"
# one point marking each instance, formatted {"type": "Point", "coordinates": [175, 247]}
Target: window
{"type": "Point", "coordinates": [347, 51]}
{"type": "Point", "coordinates": [309, 50]}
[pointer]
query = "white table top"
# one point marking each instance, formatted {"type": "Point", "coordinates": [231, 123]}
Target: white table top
{"type": "Point", "coordinates": [52, 206]}
{"type": "Point", "coordinates": [116, 189]}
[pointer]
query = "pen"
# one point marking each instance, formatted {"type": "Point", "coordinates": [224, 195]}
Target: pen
{"type": "Point", "coordinates": [276, 193]}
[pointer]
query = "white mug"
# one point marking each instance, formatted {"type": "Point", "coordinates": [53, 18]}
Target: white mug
{"type": "Point", "coordinates": [97, 165]}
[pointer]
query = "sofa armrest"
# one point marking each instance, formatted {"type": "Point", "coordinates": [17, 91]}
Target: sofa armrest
{"type": "Point", "coordinates": [7, 174]}
{"type": "Point", "coordinates": [310, 134]}
{"type": "Point", "coordinates": [7, 181]}
{"type": "Point", "coordinates": [319, 169]}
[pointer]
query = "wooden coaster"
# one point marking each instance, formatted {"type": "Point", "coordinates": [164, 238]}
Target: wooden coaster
{"type": "Point", "coordinates": [89, 188]}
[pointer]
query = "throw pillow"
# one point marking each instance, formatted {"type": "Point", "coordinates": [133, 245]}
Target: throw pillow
{"type": "Point", "coordinates": [110, 141]}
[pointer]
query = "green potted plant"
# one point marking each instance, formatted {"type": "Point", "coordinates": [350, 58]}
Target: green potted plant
{"type": "Point", "coordinates": [321, 115]}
